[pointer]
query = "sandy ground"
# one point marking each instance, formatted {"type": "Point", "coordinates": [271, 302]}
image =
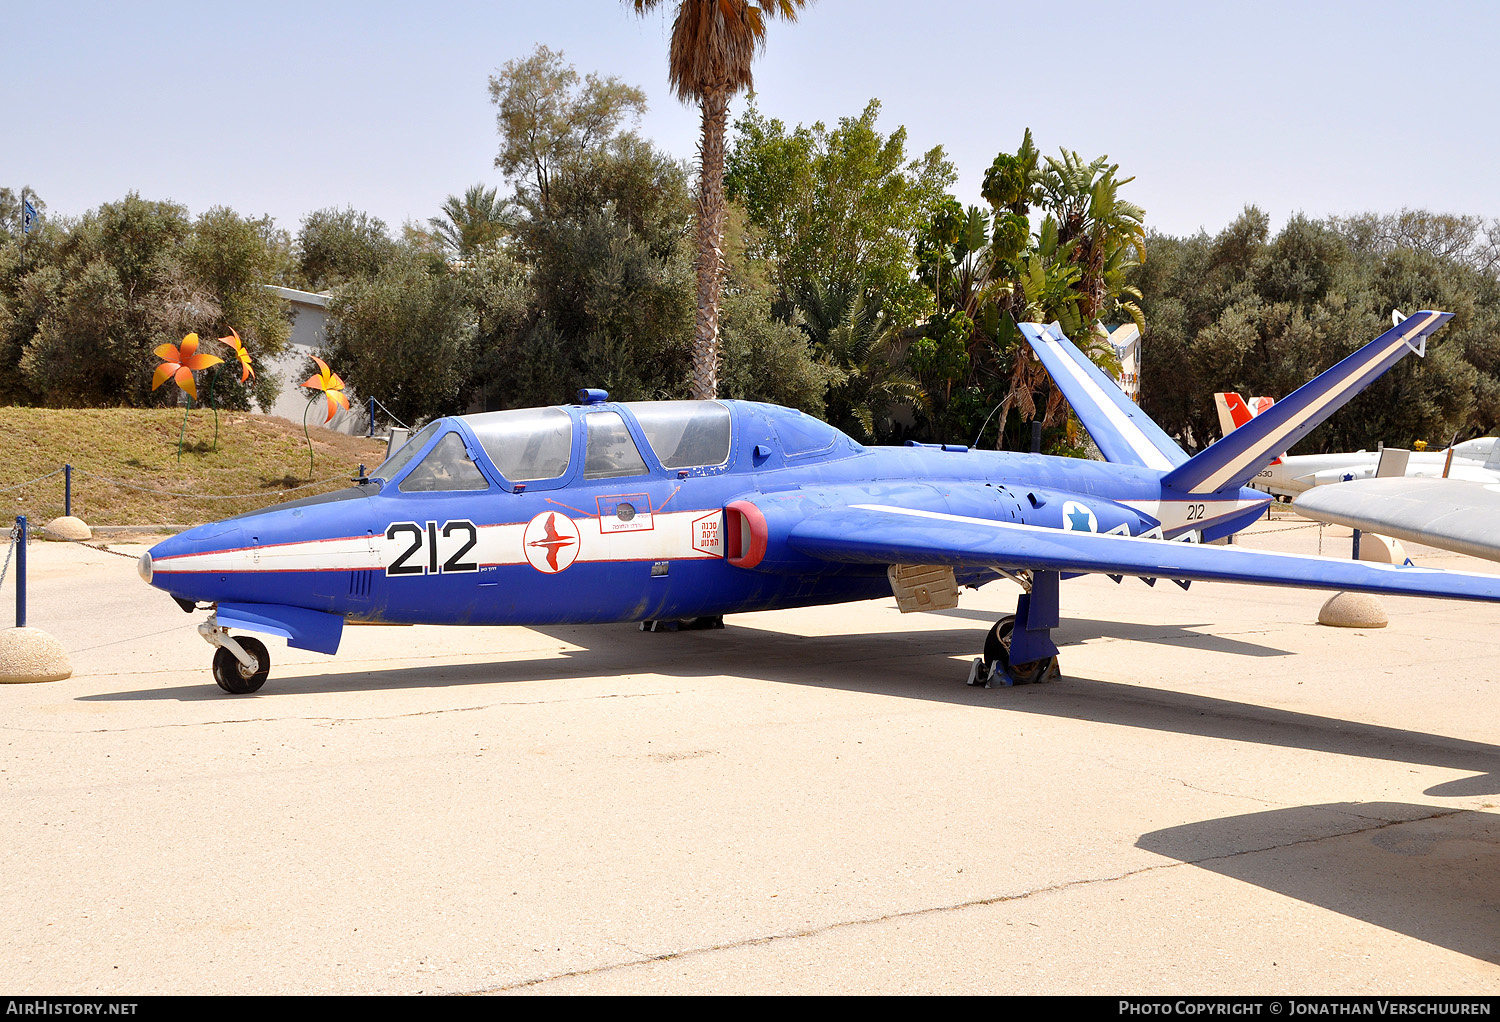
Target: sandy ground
{"type": "Point", "coordinates": [1220, 796]}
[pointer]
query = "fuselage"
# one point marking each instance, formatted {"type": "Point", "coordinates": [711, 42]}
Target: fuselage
{"type": "Point", "coordinates": [1297, 473]}
{"type": "Point", "coordinates": [635, 511]}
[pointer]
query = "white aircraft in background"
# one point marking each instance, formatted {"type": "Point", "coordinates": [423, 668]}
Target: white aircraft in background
{"type": "Point", "coordinates": [1454, 514]}
{"type": "Point", "coordinates": [1473, 460]}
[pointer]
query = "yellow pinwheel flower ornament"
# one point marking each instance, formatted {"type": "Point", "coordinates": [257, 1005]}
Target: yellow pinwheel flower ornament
{"type": "Point", "coordinates": [180, 362]}
{"type": "Point", "coordinates": [233, 341]}
{"type": "Point", "coordinates": [332, 387]}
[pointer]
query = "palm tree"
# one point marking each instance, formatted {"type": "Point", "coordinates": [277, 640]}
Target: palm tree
{"type": "Point", "coordinates": [851, 333]}
{"type": "Point", "coordinates": [713, 42]}
{"type": "Point", "coordinates": [473, 221]}
{"type": "Point", "coordinates": [1110, 232]}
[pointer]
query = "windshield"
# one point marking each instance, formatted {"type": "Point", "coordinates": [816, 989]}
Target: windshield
{"type": "Point", "coordinates": [398, 458]}
{"type": "Point", "coordinates": [446, 467]}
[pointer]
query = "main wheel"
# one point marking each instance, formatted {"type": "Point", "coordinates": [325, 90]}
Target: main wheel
{"type": "Point", "coordinates": [997, 648]}
{"type": "Point", "coordinates": [233, 677]}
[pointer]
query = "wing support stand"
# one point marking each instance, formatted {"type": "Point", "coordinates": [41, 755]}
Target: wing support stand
{"type": "Point", "coordinates": [1019, 649]}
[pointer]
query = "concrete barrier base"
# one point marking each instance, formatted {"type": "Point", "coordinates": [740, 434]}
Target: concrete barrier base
{"type": "Point", "coordinates": [67, 528]}
{"type": "Point", "coordinates": [30, 654]}
{"type": "Point", "coordinates": [1353, 610]}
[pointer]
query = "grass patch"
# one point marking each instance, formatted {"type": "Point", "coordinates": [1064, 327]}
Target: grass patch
{"type": "Point", "coordinates": [126, 472]}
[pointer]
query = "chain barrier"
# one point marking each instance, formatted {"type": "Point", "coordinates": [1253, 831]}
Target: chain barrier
{"type": "Point", "coordinates": [15, 535]}
{"type": "Point", "coordinates": [101, 547]}
{"type": "Point", "coordinates": [264, 495]}
{"type": "Point", "coordinates": [203, 496]}
{"type": "Point", "coordinates": [275, 495]}
{"type": "Point", "coordinates": [1289, 528]}
{"type": "Point", "coordinates": [390, 413]}
{"type": "Point", "coordinates": [28, 482]}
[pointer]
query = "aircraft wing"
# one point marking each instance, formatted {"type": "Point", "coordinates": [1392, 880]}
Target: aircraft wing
{"type": "Point", "coordinates": [882, 534]}
{"type": "Point", "coordinates": [1454, 514]}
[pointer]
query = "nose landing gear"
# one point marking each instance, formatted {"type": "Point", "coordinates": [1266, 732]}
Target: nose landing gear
{"type": "Point", "coordinates": [240, 664]}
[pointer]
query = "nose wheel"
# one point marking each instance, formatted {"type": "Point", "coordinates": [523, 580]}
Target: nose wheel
{"type": "Point", "coordinates": [240, 663]}
{"type": "Point", "coordinates": [995, 667]}
{"type": "Point", "coordinates": [237, 678]}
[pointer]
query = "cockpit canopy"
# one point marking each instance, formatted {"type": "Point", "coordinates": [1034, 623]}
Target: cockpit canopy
{"type": "Point", "coordinates": [535, 447]}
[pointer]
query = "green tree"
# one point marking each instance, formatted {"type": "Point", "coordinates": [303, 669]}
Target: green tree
{"type": "Point", "coordinates": [862, 345]}
{"type": "Point", "coordinates": [1257, 314]}
{"type": "Point", "coordinates": [713, 44]}
{"type": "Point", "coordinates": [842, 205]}
{"type": "Point", "coordinates": [468, 224]}
{"type": "Point", "coordinates": [338, 245]}
{"type": "Point", "coordinates": [987, 271]}
{"type": "Point", "coordinates": [405, 336]}
{"type": "Point", "coordinates": [762, 356]}
{"type": "Point", "coordinates": [549, 124]}
{"type": "Point", "coordinates": [1107, 233]}
{"type": "Point", "coordinates": [82, 310]}
{"type": "Point", "coordinates": [233, 258]}
{"type": "Point", "coordinates": [1469, 241]}
{"type": "Point", "coordinates": [606, 279]}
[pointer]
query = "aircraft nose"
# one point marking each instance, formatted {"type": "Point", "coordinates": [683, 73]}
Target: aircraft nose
{"type": "Point", "coordinates": [191, 551]}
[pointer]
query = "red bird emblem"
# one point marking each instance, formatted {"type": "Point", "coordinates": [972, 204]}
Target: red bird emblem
{"type": "Point", "coordinates": [549, 549]}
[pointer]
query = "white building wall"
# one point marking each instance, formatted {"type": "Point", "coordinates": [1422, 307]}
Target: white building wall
{"type": "Point", "coordinates": [294, 365]}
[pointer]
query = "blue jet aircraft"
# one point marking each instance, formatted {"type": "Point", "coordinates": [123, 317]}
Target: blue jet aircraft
{"type": "Point", "coordinates": [683, 511]}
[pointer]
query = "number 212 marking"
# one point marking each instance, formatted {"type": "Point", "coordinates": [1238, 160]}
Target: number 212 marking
{"type": "Point", "coordinates": [428, 537]}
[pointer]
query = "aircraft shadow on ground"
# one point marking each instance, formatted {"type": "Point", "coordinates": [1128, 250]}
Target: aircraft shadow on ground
{"type": "Point", "coordinates": [914, 665]}
{"type": "Point", "coordinates": [1074, 630]}
{"type": "Point", "coordinates": [1433, 879]}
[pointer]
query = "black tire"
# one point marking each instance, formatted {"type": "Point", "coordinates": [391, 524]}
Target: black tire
{"type": "Point", "coordinates": [231, 674]}
{"type": "Point", "coordinates": [997, 643]}
{"type": "Point", "coordinates": [997, 649]}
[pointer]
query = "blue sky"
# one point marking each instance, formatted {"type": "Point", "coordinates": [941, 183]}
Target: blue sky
{"type": "Point", "coordinates": [283, 108]}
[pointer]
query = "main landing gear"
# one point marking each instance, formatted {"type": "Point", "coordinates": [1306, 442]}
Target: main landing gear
{"type": "Point", "coordinates": [240, 664]}
{"type": "Point", "coordinates": [996, 668]}
{"type": "Point", "coordinates": [685, 624]}
{"type": "Point", "coordinates": [1019, 649]}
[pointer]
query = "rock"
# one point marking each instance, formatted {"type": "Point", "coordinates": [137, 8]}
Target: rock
{"type": "Point", "coordinates": [68, 528]}
{"type": "Point", "coordinates": [30, 654]}
{"type": "Point", "coordinates": [1381, 549]}
{"type": "Point", "coordinates": [1353, 610]}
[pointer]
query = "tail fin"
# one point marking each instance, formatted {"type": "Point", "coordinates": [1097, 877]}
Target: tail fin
{"type": "Point", "coordinates": [1124, 433]}
{"type": "Point", "coordinates": [1235, 411]}
{"type": "Point", "coordinates": [1232, 461]}
{"type": "Point", "coordinates": [1493, 461]}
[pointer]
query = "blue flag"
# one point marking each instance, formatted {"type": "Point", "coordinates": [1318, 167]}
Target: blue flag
{"type": "Point", "coordinates": [28, 216]}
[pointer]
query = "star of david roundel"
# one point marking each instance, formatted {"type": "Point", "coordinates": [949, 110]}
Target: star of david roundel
{"type": "Point", "coordinates": [550, 542]}
{"type": "Point", "coordinates": [1078, 518]}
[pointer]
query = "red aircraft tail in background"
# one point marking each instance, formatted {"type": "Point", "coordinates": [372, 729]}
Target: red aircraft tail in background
{"type": "Point", "coordinates": [1235, 411]}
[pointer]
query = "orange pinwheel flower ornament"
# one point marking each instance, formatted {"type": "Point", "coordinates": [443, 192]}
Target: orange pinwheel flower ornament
{"type": "Point", "coordinates": [179, 364]}
{"type": "Point", "coordinates": [233, 341]}
{"type": "Point", "coordinates": [332, 387]}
